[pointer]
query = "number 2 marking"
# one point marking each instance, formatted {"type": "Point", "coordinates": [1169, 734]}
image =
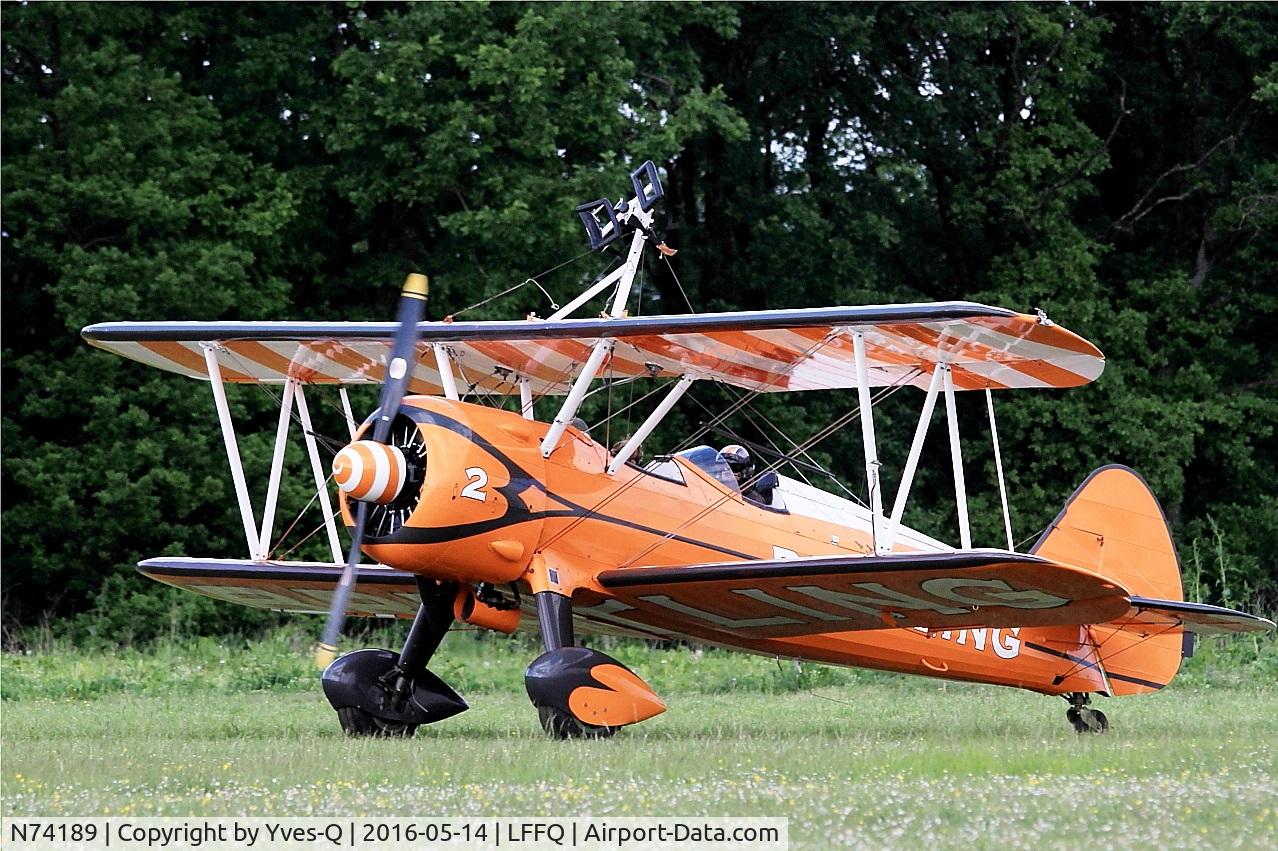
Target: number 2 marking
{"type": "Point", "coordinates": [477, 480]}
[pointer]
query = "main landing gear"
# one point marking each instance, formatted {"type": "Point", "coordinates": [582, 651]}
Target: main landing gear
{"type": "Point", "coordinates": [1084, 718]}
{"type": "Point", "coordinates": [382, 693]}
{"type": "Point", "coordinates": [580, 692]}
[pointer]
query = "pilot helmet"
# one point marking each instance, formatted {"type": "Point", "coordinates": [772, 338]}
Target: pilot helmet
{"type": "Point", "coordinates": [738, 459]}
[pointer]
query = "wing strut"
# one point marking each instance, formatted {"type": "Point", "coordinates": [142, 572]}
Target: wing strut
{"type": "Point", "coordinates": [232, 448]}
{"type": "Point", "coordinates": [525, 398]}
{"type": "Point", "coordinates": [657, 415]}
{"type": "Point", "coordinates": [867, 440]}
{"type": "Point", "coordinates": [258, 539]}
{"type": "Point", "coordinates": [998, 467]}
{"type": "Point", "coordinates": [575, 396]}
{"type": "Point", "coordinates": [912, 462]}
{"type": "Point", "coordinates": [447, 379]}
{"type": "Point", "coordinates": [956, 452]}
{"type": "Point", "coordinates": [317, 470]}
{"type": "Point", "coordinates": [346, 409]}
{"type": "Point", "coordinates": [277, 469]}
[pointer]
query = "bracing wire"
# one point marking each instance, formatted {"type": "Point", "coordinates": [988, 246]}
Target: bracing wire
{"type": "Point", "coordinates": [619, 411]}
{"type": "Point", "coordinates": [1101, 660]}
{"type": "Point", "coordinates": [311, 534]}
{"type": "Point", "coordinates": [742, 402]}
{"type": "Point", "coordinates": [679, 284]}
{"type": "Point", "coordinates": [530, 280]}
{"type": "Point", "coordinates": [812, 441]}
{"type": "Point", "coordinates": [332, 444]}
{"type": "Point", "coordinates": [834, 426]}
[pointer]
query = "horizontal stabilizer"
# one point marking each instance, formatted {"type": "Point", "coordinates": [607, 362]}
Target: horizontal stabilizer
{"type": "Point", "coordinates": [823, 594]}
{"type": "Point", "coordinates": [1194, 617]}
{"type": "Point", "coordinates": [296, 586]}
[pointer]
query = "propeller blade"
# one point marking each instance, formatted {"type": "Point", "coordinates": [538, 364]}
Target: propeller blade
{"type": "Point", "coordinates": [326, 652]}
{"type": "Point", "coordinates": [399, 369]}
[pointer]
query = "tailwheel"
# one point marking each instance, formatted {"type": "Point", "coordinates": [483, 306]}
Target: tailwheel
{"type": "Point", "coordinates": [1087, 720]}
{"type": "Point", "coordinates": [561, 725]}
{"type": "Point", "coordinates": [1083, 718]}
{"type": "Point", "coordinates": [360, 724]}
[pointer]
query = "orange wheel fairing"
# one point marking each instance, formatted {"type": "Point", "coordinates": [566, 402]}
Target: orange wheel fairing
{"type": "Point", "coordinates": [625, 699]}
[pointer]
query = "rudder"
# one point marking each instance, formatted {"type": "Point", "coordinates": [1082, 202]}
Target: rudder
{"type": "Point", "coordinates": [1114, 526]}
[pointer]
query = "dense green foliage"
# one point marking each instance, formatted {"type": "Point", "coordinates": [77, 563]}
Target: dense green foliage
{"type": "Point", "coordinates": [1113, 165]}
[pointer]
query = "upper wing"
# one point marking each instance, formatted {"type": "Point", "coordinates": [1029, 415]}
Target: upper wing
{"type": "Point", "coordinates": [804, 596]}
{"type": "Point", "coordinates": [779, 350]}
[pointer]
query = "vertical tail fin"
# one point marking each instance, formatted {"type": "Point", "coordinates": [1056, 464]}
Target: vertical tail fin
{"type": "Point", "coordinates": [1114, 526]}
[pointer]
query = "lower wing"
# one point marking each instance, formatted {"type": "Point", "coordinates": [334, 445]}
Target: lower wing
{"type": "Point", "coordinates": [805, 596]}
{"type": "Point", "coordinates": [936, 591]}
{"type": "Point", "coordinates": [762, 599]}
{"type": "Point", "coordinates": [297, 586]}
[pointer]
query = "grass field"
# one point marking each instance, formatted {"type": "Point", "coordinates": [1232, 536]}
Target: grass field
{"type": "Point", "coordinates": [852, 759]}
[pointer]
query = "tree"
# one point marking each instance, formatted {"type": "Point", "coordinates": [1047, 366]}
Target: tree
{"type": "Point", "coordinates": [1110, 165]}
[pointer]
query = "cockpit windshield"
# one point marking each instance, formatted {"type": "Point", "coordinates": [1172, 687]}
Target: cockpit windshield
{"type": "Point", "coordinates": [711, 460]}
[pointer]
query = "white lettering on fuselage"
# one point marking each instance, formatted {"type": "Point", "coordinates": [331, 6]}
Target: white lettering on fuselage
{"type": "Point", "coordinates": [1005, 643]}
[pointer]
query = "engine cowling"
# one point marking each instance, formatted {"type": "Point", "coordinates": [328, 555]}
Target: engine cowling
{"type": "Point", "coordinates": [472, 506]}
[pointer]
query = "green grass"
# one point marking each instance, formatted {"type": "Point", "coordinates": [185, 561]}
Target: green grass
{"type": "Point", "coordinates": [850, 757]}
{"type": "Point", "coordinates": [474, 663]}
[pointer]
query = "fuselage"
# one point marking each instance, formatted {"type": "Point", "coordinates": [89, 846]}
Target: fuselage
{"type": "Point", "coordinates": [491, 507]}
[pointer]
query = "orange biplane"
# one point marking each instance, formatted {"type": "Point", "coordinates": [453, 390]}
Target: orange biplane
{"type": "Point", "coordinates": [495, 518]}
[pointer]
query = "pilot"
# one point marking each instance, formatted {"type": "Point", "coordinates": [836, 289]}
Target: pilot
{"type": "Point", "coordinates": [739, 460]}
{"type": "Point", "coordinates": [742, 465]}
{"type": "Point", "coordinates": [636, 457]}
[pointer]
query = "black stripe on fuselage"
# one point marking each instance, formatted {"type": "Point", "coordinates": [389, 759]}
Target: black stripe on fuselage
{"type": "Point", "coordinates": [519, 480]}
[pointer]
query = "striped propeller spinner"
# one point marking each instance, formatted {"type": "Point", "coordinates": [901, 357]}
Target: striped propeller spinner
{"type": "Point", "coordinates": [370, 471]}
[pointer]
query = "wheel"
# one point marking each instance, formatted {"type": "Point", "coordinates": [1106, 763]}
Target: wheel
{"type": "Point", "coordinates": [358, 723]}
{"type": "Point", "coordinates": [1087, 720]}
{"type": "Point", "coordinates": [560, 725]}
{"type": "Point", "coordinates": [1075, 716]}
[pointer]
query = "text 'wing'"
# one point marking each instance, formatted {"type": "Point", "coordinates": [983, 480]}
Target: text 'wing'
{"type": "Point", "coordinates": [805, 596]}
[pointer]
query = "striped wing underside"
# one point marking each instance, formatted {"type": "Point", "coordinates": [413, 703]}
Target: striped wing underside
{"type": "Point", "coordinates": [772, 351]}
